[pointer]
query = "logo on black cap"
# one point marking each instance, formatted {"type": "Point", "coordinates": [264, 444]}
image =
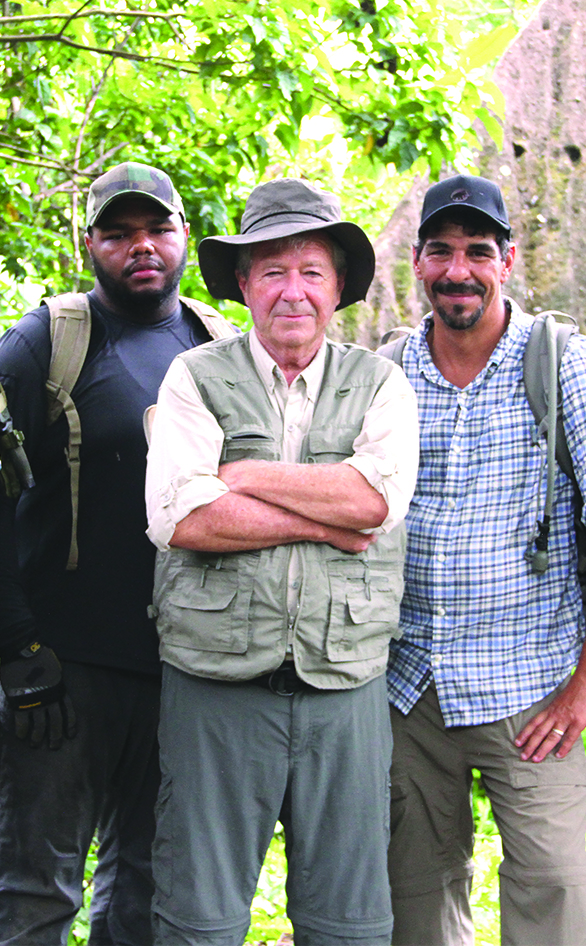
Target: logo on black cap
{"type": "Point", "coordinates": [460, 195]}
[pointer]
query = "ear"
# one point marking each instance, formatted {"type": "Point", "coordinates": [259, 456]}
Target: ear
{"type": "Point", "coordinates": [88, 241]}
{"type": "Point", "coordinates": [242, 284]}
{"type": "Point", "coordinates": [508, 263]}
{"type": "Point", "coordinates": [416, 267]}
{"type": "Point", "coordinates": [186, 230]}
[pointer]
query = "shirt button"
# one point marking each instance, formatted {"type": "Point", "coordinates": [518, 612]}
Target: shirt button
{"type": "Point", "coordinates": [441, 557]}
{"type": "Point", "coordinates": [290, 428]}
{"type": "Point", "coordinates": [436, 660]}
{"type": "Point", "coordinates": [440, 612]}
{"type": "Point", "coordinates": [456, 448]}
{"type": "Point", "coordinates": [451, 503]}
{"type": "Point", "coordinates": [166, 497]}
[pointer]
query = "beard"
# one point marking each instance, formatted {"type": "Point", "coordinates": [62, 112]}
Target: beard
{"type": "Point", "coordinates": [140, 303]}
{"type": "Point", "coordinates": [457, 317]}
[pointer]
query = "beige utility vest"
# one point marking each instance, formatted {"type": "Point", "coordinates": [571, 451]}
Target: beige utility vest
{"type": "Point", "coordinates": [224, 616]}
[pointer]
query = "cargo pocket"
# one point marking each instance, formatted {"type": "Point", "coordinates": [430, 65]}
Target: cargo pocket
{"type": "Point", "coordinates": [208, 611]}
{"type": "Point", "coordinates": [330, 444]}
{"type": "Point", "coordinates": [570, 771]}
{"type": "Point", "coordinates": [249, 445]}
{"type": "Point", "coordinates": [363, 616]}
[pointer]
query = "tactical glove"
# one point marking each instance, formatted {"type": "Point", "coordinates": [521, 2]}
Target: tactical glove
{"type": "Point", "coordinates": [34, 688]}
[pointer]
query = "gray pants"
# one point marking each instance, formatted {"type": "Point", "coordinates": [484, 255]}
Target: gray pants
{"type": "Point", "coordinates": [540, 810]}
{"type": "Point", "coordinates": [52, 802]}
{"type": "Point", "coordinates": [235, 759]}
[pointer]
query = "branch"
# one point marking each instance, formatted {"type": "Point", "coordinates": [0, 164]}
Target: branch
{"type": "Point", "coordinates": [87, 172]}
{"type": "Point", "coordinates": [94, 12]}
{"type": "Point", "coordinates": [36, 164]}
{"type": "Point", "coordinates": [25, 151]}
{"type": "Point", "coordinates": [77, 152]}
{"type": "Point", "coordinates": [73, 16]}
{"type": "Point", "coordinates": [173, 64]}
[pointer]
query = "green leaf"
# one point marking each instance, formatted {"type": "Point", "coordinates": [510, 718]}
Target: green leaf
{"type": "Point", "coordinates": [494, 128]}
{"type": "Point", "coordinates": [258, 28]}
{"type": "Point", "coordinates": [287, 83]}
{"type": "Point", "coordinates": [484, 49]}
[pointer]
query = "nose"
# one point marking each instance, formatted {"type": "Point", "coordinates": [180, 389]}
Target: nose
{"type": "Point", "coordinates": [459, 268]}
{"type": "Point", "coordinates": [293, 289]}
{"type": "Point", "coordinates": [141, 243]}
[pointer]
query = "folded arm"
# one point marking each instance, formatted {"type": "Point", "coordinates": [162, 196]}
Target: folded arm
{"type": "Point", "coordinates": [234, 523]}
{"type": "Point", "coordinates": [332, 493]}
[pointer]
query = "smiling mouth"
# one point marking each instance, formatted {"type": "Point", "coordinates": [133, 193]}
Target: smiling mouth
{"type": "Point", "coordinates": [458, 291]}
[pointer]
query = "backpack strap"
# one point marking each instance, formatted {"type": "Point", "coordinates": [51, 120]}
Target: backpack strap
{"type": "Point", "coordinates": [393, 343]}
{"type": "Point", "coordinates": [535, 373]}
{"type": "Point", "coordinates": [215, 323]}
{"type": "Point", "coordinates": [541, 367]}
{"type": "Point", "coordinates": [70, 336]}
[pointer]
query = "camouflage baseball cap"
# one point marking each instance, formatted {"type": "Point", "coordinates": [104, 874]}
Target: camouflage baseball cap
{"type": "Point", "coordinates": [132, 178]}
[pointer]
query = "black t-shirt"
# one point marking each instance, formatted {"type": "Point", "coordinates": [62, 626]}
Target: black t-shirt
{"type": "Point", "coordinates": [98, 613]}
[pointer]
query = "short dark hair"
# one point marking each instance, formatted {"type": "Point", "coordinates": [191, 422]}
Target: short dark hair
{"type": "Point", "coordinates": [472, 222]}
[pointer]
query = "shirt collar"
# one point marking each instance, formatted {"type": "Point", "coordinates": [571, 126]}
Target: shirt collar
{"type": "Point", "coordinates": [269, 370]}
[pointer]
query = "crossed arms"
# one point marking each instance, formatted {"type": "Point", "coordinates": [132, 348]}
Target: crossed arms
{"type": "Point", "coordinates": [252, 504]}
{"type": "Point", "coordinates": [277, 503]}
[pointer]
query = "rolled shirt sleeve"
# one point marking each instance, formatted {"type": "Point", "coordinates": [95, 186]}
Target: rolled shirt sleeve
{"type": "Point", "coordinates": [386, 450]}
{"type": "Point", "coordinates": [183, 458]}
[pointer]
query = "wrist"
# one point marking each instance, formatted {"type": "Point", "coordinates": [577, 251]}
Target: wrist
{"type": "Point", "coordinates": [26, 648]}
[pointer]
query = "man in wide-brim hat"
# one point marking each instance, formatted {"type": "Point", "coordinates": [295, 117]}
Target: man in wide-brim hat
{"type": "Point", "coordinates": [281, 468]}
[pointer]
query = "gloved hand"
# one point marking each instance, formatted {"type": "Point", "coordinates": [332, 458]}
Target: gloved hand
{"type": "Point", "coordinates": [34, 688]}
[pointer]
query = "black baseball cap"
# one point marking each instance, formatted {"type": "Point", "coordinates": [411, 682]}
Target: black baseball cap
{"type": "Point", "coordinates": [464, 190]}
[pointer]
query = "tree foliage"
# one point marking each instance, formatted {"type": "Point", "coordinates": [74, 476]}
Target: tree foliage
{"type": "Point", "coordinates": [217, 92]}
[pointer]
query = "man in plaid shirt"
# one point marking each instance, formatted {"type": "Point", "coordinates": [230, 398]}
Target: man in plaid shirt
{"type": "Point", "coordinates": [482, 676]}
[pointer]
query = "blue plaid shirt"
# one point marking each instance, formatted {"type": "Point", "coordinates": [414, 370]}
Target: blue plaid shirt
{"type": "Point", "coordinates": [494, 636]}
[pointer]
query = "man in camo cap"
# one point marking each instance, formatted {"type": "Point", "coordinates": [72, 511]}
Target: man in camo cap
{"type": "Point", "coordinates": [78, 652]}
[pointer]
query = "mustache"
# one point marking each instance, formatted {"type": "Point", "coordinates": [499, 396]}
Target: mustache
{"type": "Point", "coordinates": [459, 288]}
{"type": "Point", "coordinates": [140, 264]}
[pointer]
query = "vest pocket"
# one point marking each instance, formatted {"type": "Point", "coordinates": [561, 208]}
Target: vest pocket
{"type": "Point", "coordinates": [364, 615]}
{"type": "Point", "coordinates": [330, 444]}
{"type": "Point", "coordinates": [208, 611]}
{"type": "Point", "coordinates": [249, 445]}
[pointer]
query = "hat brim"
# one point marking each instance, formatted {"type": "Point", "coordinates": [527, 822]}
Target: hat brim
{"type": "Point", "coordinates": [131, 192]}
{"type": "Point", "coordinates": [456, 205]}
{"type": "Point", "coordinates": [217, 257]}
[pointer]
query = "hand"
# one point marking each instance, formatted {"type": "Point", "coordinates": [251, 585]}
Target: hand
{"type": "Point", "coordinates": [557, 726]}
{"type": "Point", "coordinates": [348, 540]}
{"type": "Point", "coordinates": [34, 688]}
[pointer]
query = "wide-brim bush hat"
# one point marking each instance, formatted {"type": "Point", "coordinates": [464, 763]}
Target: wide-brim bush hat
{"type": "Point", "coordinates": [283, 208]}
